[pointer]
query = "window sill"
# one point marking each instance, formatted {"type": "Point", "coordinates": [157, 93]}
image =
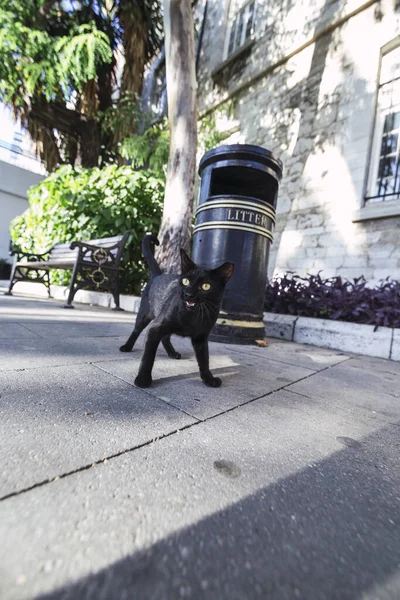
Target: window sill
{"type": "Point", "coordinates": [378, 210]}
{"type": "Point", "coordinates": [242, 50]}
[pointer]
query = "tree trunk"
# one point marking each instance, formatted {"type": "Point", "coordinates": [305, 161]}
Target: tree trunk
{"type": "Point", "coordinates": [182, 114]}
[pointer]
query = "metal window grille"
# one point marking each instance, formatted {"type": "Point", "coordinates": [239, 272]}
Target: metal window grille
{"type": "Point", "coordinates": [242, 27]}
{"type": "Point", "coordinates": [385, 172]}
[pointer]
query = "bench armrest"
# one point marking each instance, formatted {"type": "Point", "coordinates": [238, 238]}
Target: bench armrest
{"type": "Point", "coordinates": [86, 248]}
{"type": "Point", "coordinates": [31, 256]}
{"type": "Point", "coordinates": [82, 245]}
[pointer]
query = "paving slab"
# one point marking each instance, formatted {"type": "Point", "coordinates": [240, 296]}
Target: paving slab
{"type": "Point", "coordinates": [15, 331]}
{"type": "Point", "coordinates": [59, 419]}
{"type": "Point", "coordinates": [280, 499]}
{"type": "Point", "coordinates": [244, 377]}
{"type": "Point", "coordinates": [73, 329]}
{"type": "Point", "coordinates": [22, 308]}
{"type": "Point", "coordinates": [374, 365]}
{"type": "Point", "coordinates": [356, 385]}
{"type": "Point", "coordinates": [300, 355]}
{"type": "Point", "coordinates": [27, 354]}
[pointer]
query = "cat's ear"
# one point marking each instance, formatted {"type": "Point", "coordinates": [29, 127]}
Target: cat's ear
{"type": "Point", "coordinates": [224, 272]}
{"type": "Point", "coordinates": [186, 263]}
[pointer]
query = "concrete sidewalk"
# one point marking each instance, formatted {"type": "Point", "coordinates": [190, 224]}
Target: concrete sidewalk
{"type": "Point", "coordinates": [282, 484]}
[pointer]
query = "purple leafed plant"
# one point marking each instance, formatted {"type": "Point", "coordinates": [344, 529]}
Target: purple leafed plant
{"type": "Point", "coordinates": [335, 298]}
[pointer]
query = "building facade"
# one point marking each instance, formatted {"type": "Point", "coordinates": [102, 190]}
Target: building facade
{"type": "Point", "coordinates": [317, 82]}
{"type": "Point", "coordinates": [19, 170]}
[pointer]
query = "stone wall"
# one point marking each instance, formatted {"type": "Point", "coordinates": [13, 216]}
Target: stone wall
{"type": "Point", "coordinates": [305, 88]}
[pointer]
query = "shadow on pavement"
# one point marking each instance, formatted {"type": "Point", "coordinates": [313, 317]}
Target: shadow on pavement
{"type": "Point", "coordinates": [328, 532]}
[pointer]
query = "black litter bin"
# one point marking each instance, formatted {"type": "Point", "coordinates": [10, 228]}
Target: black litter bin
{"type": "Point", "coordinates": [234, 222]}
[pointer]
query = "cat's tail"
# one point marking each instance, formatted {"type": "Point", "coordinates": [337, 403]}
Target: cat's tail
{"type": "Point", "coordinates": [149, 256]}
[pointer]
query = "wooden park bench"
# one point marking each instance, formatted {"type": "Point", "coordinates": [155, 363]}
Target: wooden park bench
{"type": "Point", "coordinates": [94, 265]}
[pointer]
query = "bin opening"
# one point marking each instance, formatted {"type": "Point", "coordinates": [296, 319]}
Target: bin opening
{"type": "Point", "coordinates": [245, 181]}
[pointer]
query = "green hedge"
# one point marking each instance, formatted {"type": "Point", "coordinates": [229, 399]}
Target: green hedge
{"type": "Point", "coordinates": [82, 204]}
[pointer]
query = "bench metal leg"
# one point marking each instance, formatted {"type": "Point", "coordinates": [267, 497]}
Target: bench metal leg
{"type": "Point", "coordinates": [72, 291]}
{"type": "Point", "coordinates": [47, 283]}
{"type": "Point", "coordinates": [115, 293]}
{"type": "Point", "coordinates": [12, 282]}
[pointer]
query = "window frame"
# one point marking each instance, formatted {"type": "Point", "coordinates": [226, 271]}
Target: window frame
{"type": "Point", "coordinates": [232, 22]}
{"type": "Point", "coordinates": [371, 210]}
{"type": "Point", "coordinates": [377, 135]}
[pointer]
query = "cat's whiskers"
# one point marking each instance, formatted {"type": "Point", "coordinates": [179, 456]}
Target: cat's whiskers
{"type": "Point", "coordinates": [212, 309]}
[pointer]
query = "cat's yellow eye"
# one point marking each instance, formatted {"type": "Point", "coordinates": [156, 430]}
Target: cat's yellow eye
{"type": "Point", "coordinates": [185, 281]}
{"type": "Point", "coordinates": [205, 286]}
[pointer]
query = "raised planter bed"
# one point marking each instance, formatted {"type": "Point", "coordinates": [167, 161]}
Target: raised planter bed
{"type": "Point", "coordinates": [338, 335]}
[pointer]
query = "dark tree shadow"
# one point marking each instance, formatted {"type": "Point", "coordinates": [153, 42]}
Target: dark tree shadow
{"type": "Point", "coordinates": [328, 532]}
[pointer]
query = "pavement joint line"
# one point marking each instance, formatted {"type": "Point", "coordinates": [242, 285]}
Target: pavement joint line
{"type": "Point", "coordinates": [94, 463]}
{"type": "Point", "coordinates": [158, 438]}
{"type": "Point", "coordinates": [72, 363]}
{"type": "Point", "coordinates": [40, 367]}
{"type": "Point", "coordinates": [30, 331]}
{"type": "Point", "coordinates": [146, 392]}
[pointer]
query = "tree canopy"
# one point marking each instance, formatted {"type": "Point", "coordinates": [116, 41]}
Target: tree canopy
{"type": "Point", "coordinates": [71, 72]}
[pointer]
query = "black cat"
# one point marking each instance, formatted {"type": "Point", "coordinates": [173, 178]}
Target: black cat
{"type": "Point", "coordinates": [186, 305]}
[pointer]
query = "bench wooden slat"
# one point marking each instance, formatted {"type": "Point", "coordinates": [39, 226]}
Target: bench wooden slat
{"type": "Point", "coordinates": [46, 265]}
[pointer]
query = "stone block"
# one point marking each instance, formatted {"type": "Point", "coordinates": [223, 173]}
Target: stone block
{"type": "Point", "coordinates": [384, 263]}
{"type": "Point", "coordinates": [316, 252]}
{"type": "Point", "coordinates": [95, 298]}
{"type": "Point", "coordinates": [355, 262]}
{"type": "Point", "coordinates": [348, 337]}
{"type": "Point", "coordinates": [310, 221]}
{"type": "Point", "coordinates": [279, 326]}
{"type": "Point", "coordinates": [130, 303]}
{"type": "Point", "coordinates": [335, 251]}
{"type": "Point", "coordinates": [310, 241]}
{"type": "Point", "coordinates": [395, 354]}
{"type": "Point", "coordinates": [378, 251]}
{"type": "Point", "coordinates": [350, 273]}
{"type": "Point", "coordinates": [328, 239]}
{"type": "Point", "coordinates": [306, 202]}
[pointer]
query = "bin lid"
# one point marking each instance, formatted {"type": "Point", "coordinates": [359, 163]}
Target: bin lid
{"type": "Point", "coordinates": [246, 152]}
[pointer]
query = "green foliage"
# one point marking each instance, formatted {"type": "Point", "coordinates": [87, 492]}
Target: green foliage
{"type": "Point", "coordinates": [83, 204]}
{"type": "Point", "coordinates": [58, 73]}
{"type": "Point", "coordinates": [33, 62]}
{"type": "Point", "coordinates": [150, 149]}
{"type": "Point", "coordinates": [82, 51]}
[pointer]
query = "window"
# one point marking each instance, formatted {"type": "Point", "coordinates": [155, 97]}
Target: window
{"type": "Point", "coordinates": [242, 27]}
{"type": "Point", "coordinates": [384, 180]}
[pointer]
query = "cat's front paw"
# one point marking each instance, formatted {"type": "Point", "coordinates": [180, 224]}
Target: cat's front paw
{"type": "Point", "coordinates": [176, 355]}
{"type": "Point", "coordinates": [214, 382]}
{"type": "Point", "coordinates": [125, 348]}
{"type": "Point", "coordinates": [143, 380]}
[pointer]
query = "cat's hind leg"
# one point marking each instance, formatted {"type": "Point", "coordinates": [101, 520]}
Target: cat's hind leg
{"type": "Point", "coordinates": [142, 321]}
{"type": "Point", "coordinates": [154, 337]}
{"type": "Point", "coordinates": [170, 350]}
